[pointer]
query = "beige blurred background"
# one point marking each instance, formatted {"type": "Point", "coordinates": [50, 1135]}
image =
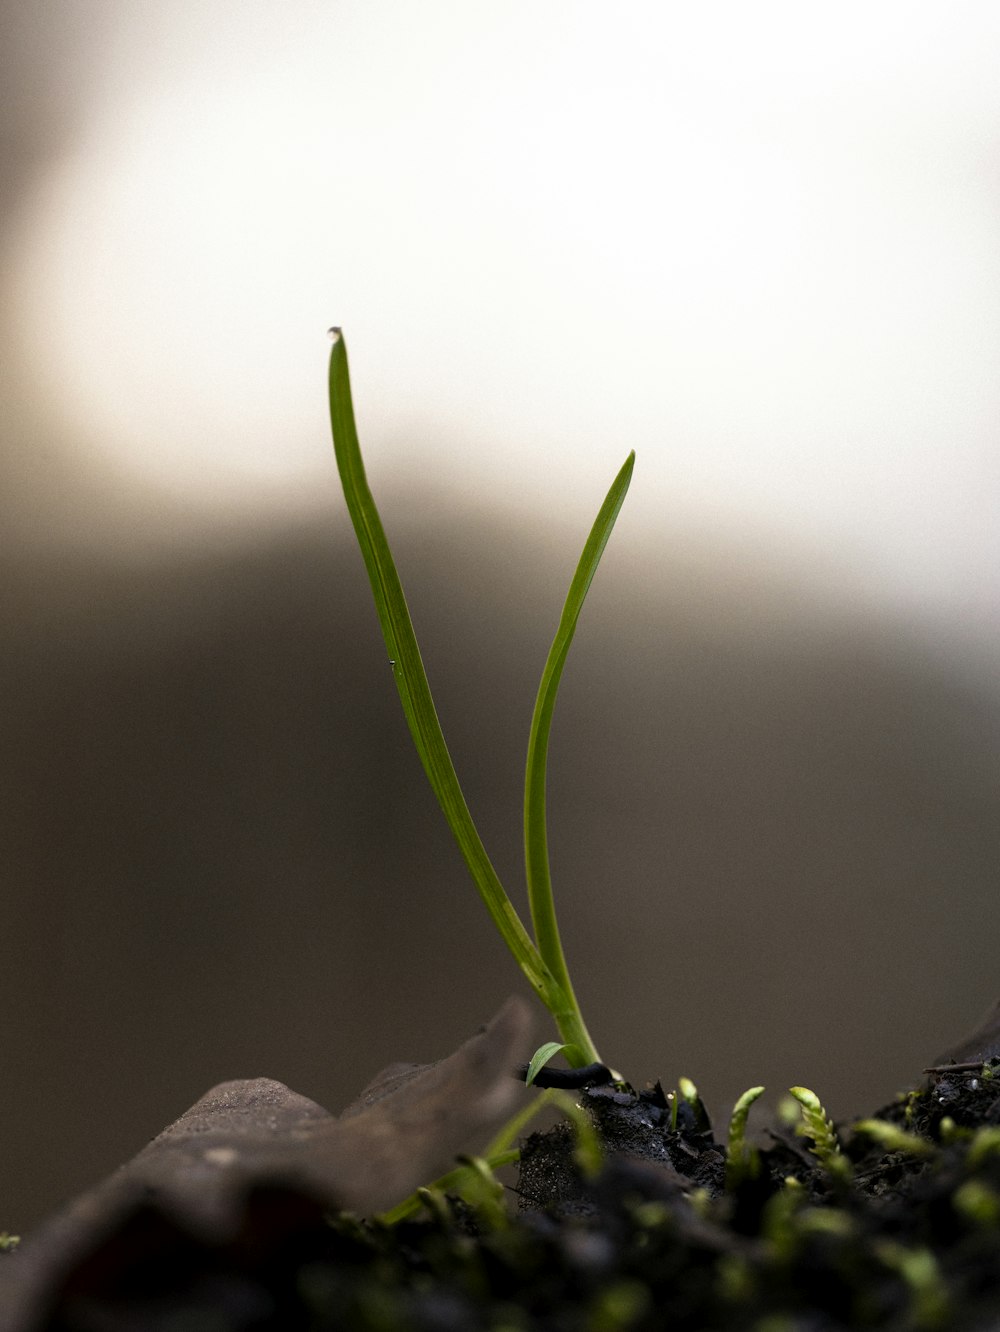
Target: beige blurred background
{"type": "Point", "coordinates": [756, 244]}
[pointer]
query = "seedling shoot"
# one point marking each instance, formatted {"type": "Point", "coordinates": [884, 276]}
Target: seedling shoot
{"type": "Point", "coordinates": [540, 956]}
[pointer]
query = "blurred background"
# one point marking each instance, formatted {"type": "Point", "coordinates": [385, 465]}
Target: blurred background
{"type": "Point", "coordinates": [759, 244]}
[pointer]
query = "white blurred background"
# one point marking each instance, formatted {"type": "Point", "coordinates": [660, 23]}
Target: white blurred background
{"type": "Point", "coordinates": [756, 243]}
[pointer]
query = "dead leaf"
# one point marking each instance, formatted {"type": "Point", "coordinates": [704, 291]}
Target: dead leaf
{"type": "Point", "coordinates": [250, 1137]}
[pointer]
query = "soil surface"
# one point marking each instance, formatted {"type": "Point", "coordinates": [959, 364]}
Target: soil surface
{"type": "Point", "coordinates": [893, 1226]}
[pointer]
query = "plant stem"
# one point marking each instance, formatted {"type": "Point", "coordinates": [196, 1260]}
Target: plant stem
{"type": "Point", "coordinates": [414, 690]}
{"type": "Point", "coordinates": [536, 853]}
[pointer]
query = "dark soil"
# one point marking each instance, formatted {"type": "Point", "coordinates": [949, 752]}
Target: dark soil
{"type": "Point", "coordinates": [895, 1239]}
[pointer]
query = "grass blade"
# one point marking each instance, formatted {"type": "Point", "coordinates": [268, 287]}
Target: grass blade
{"type": "Point", "coordinates": [411, 681]}
{"type": "Point", "coordinates": [536, 852]}
{"type": "Point", "coordinates": [540, 1058]}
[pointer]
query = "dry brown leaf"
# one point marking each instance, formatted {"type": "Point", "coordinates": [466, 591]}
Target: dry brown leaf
{"type": "Point", "coordinates": [403, 1131]}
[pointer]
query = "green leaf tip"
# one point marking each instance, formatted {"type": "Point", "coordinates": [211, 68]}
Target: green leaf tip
{"type": "Point", "coordinates": [818, 1126]}
{"type": "Point", "coordinates": [541, 1057]}
{"type": "Point", "coordinates": [687, 1094]}
{"type": "Point", "coordinates": [589, 1152]}
{"type": "Point", "coordinates": [892, 1138]}
{"type": "Point", "coordinates": [742, 1161]}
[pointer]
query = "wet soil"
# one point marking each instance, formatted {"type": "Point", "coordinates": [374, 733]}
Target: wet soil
{"type": "Point", "coordinates": [898, 1228]}
{"type": "Point", "coordinates": [235, 1219]}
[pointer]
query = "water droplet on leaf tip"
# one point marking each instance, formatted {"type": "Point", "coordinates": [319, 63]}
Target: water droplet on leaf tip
{"type": "Point", "coordinates": [333, 333]}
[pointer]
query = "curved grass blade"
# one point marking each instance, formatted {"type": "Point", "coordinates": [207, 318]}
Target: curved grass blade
{"type": "Point", "coordinates": [536, 851]}
{"type": "Point", "coordinates": [411, 681]}
{"type": "Point", "coordinates": [540, 1058]}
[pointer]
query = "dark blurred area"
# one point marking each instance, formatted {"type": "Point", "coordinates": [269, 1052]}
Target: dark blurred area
{"type": "Point", "coordinates": [774, 816]}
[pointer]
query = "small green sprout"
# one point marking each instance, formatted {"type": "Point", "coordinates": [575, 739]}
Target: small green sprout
{"type": "Point", "coordinates": [589, 1153]}
{"type": "Point", "coordinates": [465, 1181]}
{"type": "Point", "coordinates": [817, 1125]}
{"type": "Point", "coordinates": [700, 1201]}
{"type": "Point", "coordinates": [736, 1277]}
{"type": "Point", "coordinates": [921, 1274]}
{"type": "Point", "coordinates": [540, 958]}
{"type": "Point", "coordinates": [437, 1204]}
{"type": "Point", "coordinates": [540, 1058]}
{"type": "Point", "coordinates": [892, 1138]}
{"type": "Point", "coordinates": [910, 1100]}
{"type": "Point", "coordinates": [742, 1160]}
{"type": "Point", "coordinates": [622, 1304]}
{"type": "Point", "coordinates": [472, 1180]}
{"type": "Point", "coordinates": [978, 1203]}
{"type": "Point", "coordinates": [779, 1217]}
{"type": "Point", "coordinates": [825, 1221]}
{"type": "Point", "coordinates": [486, 1191]}
{"type": "Point", "coordinates": [950, 1133]}
{"type": "Point", "coordinates": [688, 1093]}
{"type": "Point", "coordinates": [985, 1142]}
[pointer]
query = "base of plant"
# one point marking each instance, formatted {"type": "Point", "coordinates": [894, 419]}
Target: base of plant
{"type": "Point", "coordinates": [903, 1234]}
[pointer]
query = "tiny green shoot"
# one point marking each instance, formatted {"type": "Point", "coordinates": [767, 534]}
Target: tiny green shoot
{"type": "Point", "coordinates": [487, 1192]}
{"type": "Point", "coordinates": [985, 1142]}
{"type": "Point", "coordinates": [919, 1271]}
{"type": "Point", "coordinates": [817, 1125]}
{"type": "Point", "coordinates": [463, 1181]}
{"type": "Point", "coordinates": [589, 1153]}
{"type": "Point", "coordinates": [501, 1151]}
{"type": "Point", "coordinates": [742, 1161]}
{"type": "Point", "coordinates": [688, 1093]}
{"type": "Point", "coordinates": [540, 1058]}
{"type": "Point", "coordinates": [978, 1203]}
{"type": "Point", "coordinates": [891, 1138]}
{"type": "Point", "coordinates": [540, 958]}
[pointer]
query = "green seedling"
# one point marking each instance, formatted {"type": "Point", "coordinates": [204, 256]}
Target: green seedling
{"type": "Point", "coordinates": [910, 1101]}
{"type": "Point", "coordinates": [688, 1093]}
{"type": "Point", "coordinates": [985, 1142]}
{"type": "Point", "coordinates": [589, 1153]}
{"type": "Point", "coordinates": [978, 1203]}
{"type": "Point", "coordinates": [949, 1132]}
{"type": "Point", "coordinates": [541, 957]}
{"type": "Point", "coordinates": [486, 1192]}
{"type": "Point", "coordinates": [500, 1152]}
{"type": "Point", "coordinates": [742, 1160]}
{"type": "Point", "coordinates": [466, 1180]}
{"type": "Point", "coordinates": [891, 1138]}
{"type": "Point", "coordinates": [540, 1058]}
{"type": "Point", "coordinates": [923, 1278]}
{"type": "Point", "coordinates": [818, 1126]}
